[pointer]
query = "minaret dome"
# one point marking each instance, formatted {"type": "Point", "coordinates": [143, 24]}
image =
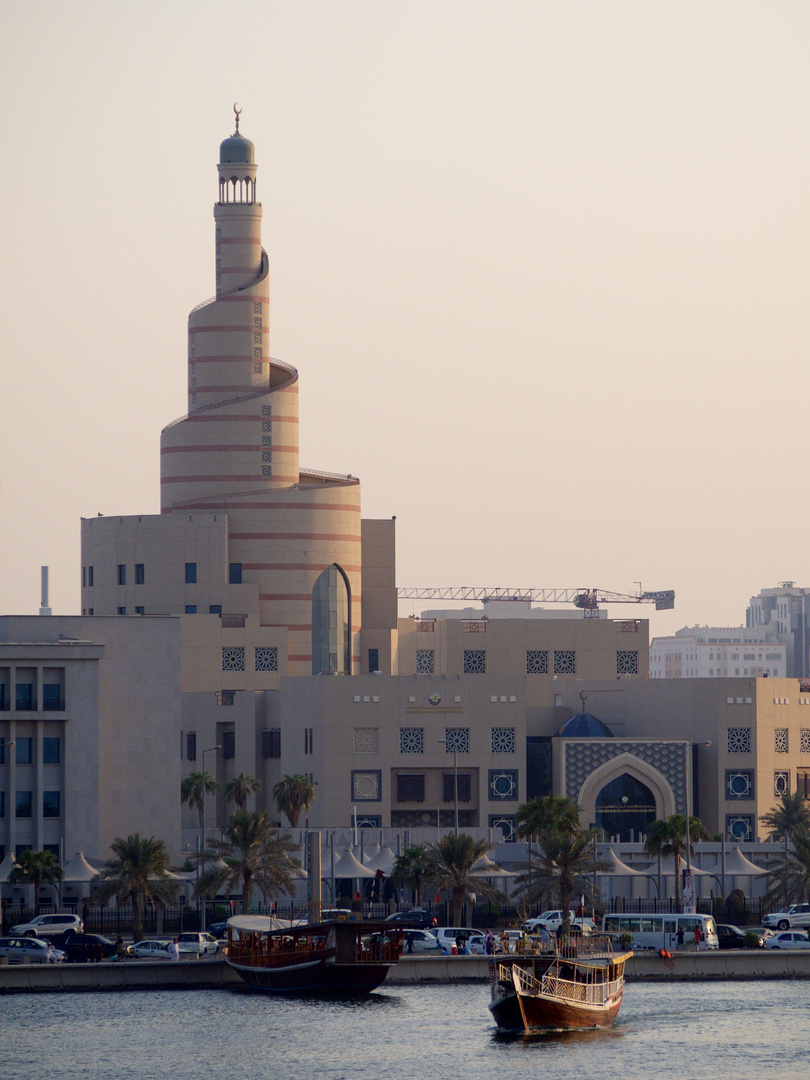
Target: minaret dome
{"type": "Point", "coordinates": [237, 167]}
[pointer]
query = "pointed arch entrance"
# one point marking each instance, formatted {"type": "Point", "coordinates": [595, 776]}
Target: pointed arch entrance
{"type": "Point", "coordinates": [331, 622]}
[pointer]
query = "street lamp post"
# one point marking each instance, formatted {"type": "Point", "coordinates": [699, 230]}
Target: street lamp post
{"type": "Point", "coordinates": [200, 864]}
{"type": "Point", "coordinates": [455, 778]}
{"type": "Point", "coordinates": [691, 746]}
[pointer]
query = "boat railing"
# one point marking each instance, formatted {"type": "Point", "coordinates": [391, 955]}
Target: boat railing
{"type": "Point", "coordinates": [379, 953]}
{"type": "Point", "coordinates": [271, 953]}
{"type": "Point", "coordinates": [590, 993]}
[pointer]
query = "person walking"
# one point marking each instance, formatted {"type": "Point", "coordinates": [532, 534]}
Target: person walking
{"type": "Point", "coordinates": [174, 950]}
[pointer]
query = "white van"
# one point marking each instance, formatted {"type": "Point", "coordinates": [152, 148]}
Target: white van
{"type": "Point", "coordinates": [446, 937]}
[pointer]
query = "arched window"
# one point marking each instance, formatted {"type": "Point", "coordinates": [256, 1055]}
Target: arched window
{"type": "Point", "coordinates": [331, 623]}
{"type": "Point", "coordinates": [625, 808]}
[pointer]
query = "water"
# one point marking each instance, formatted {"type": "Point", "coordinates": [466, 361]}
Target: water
{"type": "Point", "coordinates": [747, 1030]}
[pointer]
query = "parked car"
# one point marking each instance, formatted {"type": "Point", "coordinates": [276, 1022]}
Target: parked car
{"type": "Point", "coordinates": [86, 947]}
{"type": "Point", "coordinates": [32, 950]}
{"type": "Point", "coordinates": [447, 937]}
{"type": "Point", "coordinates": [419, 941]}
{"type": "Point", "coordinates": [338, 914]}
{"type": "Point", "coordinates": [48, 925]}
{"type": "Point", "coordinates": [200, 943]}
{"type": "Point", "coordinates": [416, 917]}
{"type": "Point", "coordinates": [552, 920]}
{"type": "Point", "coordinates": [732, 937]}
{"type": "Point", "coordinates": [217, 929]}
{"type": "Point", "coordinates": [150, 950]}
{"type": "Point", "coordinates": [797, 915]}
{"type": "Point", "coordinates": [788, 939]}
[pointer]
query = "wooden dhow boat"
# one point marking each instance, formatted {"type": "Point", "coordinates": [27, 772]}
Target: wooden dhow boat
{"type": "Point", "coordinates": [351, 957]}
{"type": "Point", "coordinates": [570, 987]}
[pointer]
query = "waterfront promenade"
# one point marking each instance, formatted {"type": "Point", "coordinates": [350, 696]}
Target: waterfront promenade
{"type": "Point", "coordinates": [212, 973]}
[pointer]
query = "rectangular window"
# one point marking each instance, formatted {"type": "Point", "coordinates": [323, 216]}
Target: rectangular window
{"type": "Point", "coordinates": [191, 573]}
{"type": "Point", "coordinates": [2, 751]}
{"type": "Point", "coordinates": [410, 788]}
{"type": "Point", "coordinates": [191, 745]}
{"type": "Point", "coordinates": [235, 573]}
{"type": "Point", "coordinates": [90, 577]}
{"type": "Point", "coordinates": [122, 574]}
{"type": "Point", "coordinates": [2, 804]}
{"type": "Point", "coordinates": [373, 661]}
{"type": "Point", "coordinates": [308, 740]}
{"type": "Point", "coordinates": [84, 577]}
{"type": "Point", "coordinates": [191, 609]}
{"type": "Point", "coordinates": [51, 804]}
{"type": "Point", "coordinates": [51, 750]}
{"type": "Point", "coordinates": [24, 804]}
{"type": "Point", "coordinates": [228, 744]}
{"type": "Point", "coordinates": [215, 609]}
{"type": "Point", "coordinates": [803, 782]}
{"type": "Point", "coordinates": [23, 756]}
{"type": "Point", "coordinates": [52, 700]}
{"type": "Point", "coordinates": [464, 787]}
{"type": "Point", "coordinates": [271, 743]}
{"type": "Point", "coordinates": [139, 611]}
{"type": "Point", "coordinates": [139, 573]}
{"type": "Point", "coordinates": [25, 697]}
{"type": "Point", "coordinates": [122, 611]}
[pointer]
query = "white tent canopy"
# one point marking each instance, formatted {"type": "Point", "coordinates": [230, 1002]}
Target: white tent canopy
{"type": "Point", "coordinates": [385, 860]}
{"type": "Point", "coordinates": [619, 868]}
{"type": "Point", "coordinates": [78, 869]}
{"type": "Point", "coordinates": [737, 865]}
{"type": "Point", "coordinates": [347, 866]}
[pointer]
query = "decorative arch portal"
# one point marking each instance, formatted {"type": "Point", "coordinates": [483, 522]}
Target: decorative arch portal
{"type": "Point", "coordinates": [626, 774]}
{"type": "Point", "coordinates": [625, 807]}
{"type": "Point", "coordinates": [331, 623]}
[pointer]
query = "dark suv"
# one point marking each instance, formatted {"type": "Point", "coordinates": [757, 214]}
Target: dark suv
{"type": "Point", "coordinates": [87, 948]}
{"type": "Point", "coordinates": [417, 918]}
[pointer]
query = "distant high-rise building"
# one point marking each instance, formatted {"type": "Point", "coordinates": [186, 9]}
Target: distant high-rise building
{"type": "Point", "coordinates": [707, 652]}
{"type": "Point", "coordinates": [786, 611]}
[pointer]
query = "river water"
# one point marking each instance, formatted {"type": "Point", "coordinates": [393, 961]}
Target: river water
{"type": "Point", "coordinates": [684, 1031]}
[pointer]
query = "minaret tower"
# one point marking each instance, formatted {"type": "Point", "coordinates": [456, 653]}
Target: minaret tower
{"type": "Point", "coordinates": [240, 434]}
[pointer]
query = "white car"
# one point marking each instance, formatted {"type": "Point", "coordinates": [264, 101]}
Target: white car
{"type": "Point", "coordinates": [201, 943]}
{"type": "Point", "coordinates": [419, 941]}
{"type": "Point", "coordinates": [788, 939]}
{"type": "Point", "coordinates": [797, 915]}
{"type": "Point", "coordinates": [45, 925]}
{"type": "Point", "coordinates": [447, 936]}
{"type": "Point", "coordinates": [150, 950]}
{"type": "Point", "coordinates": [552, 920]}
{"type": "Point", "coordinates": [29, 950]}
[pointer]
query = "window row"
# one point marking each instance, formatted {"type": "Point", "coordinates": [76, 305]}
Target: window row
{"type": "Point", "coordinates": [139, 574]}
{"type": "Point", "coordinates": [538, 662]}
{"type": "Point", "coordinates": [25, 698]}
{"type": "Point", "coordinates": [366, 786]}
{"type": "Point", "coordinates": [739, 740]}
{"type": "Point", "coordinates": [456, 740]}
{"type": "Point", "coordinates": [265, 658]}
{"type": "Point", "coordinates": [24, 804]}
{"type": "Point", "coordinates": [23, 747]}
{"type": "Point", "coordinates": [188, 745]}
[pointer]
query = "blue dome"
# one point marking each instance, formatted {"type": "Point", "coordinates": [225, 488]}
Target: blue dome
{"type": "Point", "coordinates": [585, 726]}
{"type": "Point", "coordinates": [236, 150]}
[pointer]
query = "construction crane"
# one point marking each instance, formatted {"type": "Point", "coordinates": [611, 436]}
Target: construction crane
{"type": "Point", "coordinates": [587, 599]}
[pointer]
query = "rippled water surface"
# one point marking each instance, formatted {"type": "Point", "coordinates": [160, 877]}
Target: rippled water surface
{"type": "Point", "coordinates": [744, 1030]}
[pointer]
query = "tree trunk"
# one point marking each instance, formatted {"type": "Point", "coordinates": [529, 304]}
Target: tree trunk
{"type": "Point", "coordinates": [137, 921]}
{"type": "Point", "coordinates": [457, 905]}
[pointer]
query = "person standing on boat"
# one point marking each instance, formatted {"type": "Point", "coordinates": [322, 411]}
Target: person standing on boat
{"type": "Point", "coordinates": [489, 943]}
{"type": "Point", "coordinates": [545, 938]}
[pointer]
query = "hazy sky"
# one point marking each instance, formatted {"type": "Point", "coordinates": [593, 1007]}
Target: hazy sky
{"type": "Point", "coordinates": [542, 266]}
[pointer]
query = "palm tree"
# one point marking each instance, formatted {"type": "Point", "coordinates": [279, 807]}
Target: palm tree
{"type": "Point", "coordinates": [791, 879]}
{"type": "Point", "coordinates": [410, 869]}
{"type": "Point", "coordinates": [37, 868]}
{"type": "Point", "coordinates": [562, 869]}
{"type": "Point", "coordinates": [452, 866]}
{"type": "Point", "coordinates": [790, 815]}
{"type": "Point", "coordinates": [251, 852]}
{"type": "Point", "coordinates": [240, 788]}
{"type": "Point", "coordinates": [548, 813]}
{"type": "Point", "coordinates": [194, 788]}
{"type": "Point", "coordinates": [137, 873]}
{"type": "Point", "coordinates": [668, 837]}
{"type": "Point", "coordinates": [293, 794]}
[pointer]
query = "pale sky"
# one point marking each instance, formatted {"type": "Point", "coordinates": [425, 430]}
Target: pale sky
{"type": "Point", "coordinates": [542, 267]}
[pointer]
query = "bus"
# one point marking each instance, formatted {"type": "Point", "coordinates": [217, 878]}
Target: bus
{"type": "Point", "coordinates": [660, 931]}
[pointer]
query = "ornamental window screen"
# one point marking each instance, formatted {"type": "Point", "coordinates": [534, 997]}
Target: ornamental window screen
{"type": "Point", "coordinates": [233, 658]}
{"type": "Point", "coordinates": [366, 785]}
{"type": "Point", "coordinates": [425, 661]}
{"type": "Point", "coordinates": [503, 740]}
{"type": "Point", "coordinates": [627, 662]}
{"type": "Point", "coordinates": [739, 784]}
{"type": "Point", "coordinates": [565, 662]}
{"type": "Point", "coordinates": [781, 784]}
{"type": "Point", "coordinates": [739, 740]}
{"type": "Point", "coordinates": [506, 823]}
{"type": "Point", "coordinates": [366, 740]}
{"type": "Point", "coordinates": [780, 740]}
{"type": "Point", "coordinates": [368, 821]}
{"type": "Point", "coordinates": [457, 739]}
{"type": "Point", "coordinates": [410, 788]}
{"type": "Point", "coordinates": [411, 740]}
{"type": "Point", "coordinates": [464, 787]}
{"type": "Point", "coordinates": [266, 658]}
{"type": "Point", "coordinates": [537, 662]}
{"type": "Point", "coordinates": [804, 741]}
{"type": "Point", "coordinates": [740, 827]}
{"type": "Point", "coordinates": [475, 662]}
{"type": "Point", "coordinates": [503, 785]}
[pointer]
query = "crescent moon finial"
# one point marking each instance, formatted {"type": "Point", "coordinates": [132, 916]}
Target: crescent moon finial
{"type": "Point", "coordinates": [238, 113]}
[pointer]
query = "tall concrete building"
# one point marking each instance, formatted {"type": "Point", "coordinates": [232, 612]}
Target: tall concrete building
{"type": "Point", "coordinates": [785, 610]}
{"type": "Point", "coordinates": [243, 529]}
{"type": "Point", "coordinates": [715, 652]}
